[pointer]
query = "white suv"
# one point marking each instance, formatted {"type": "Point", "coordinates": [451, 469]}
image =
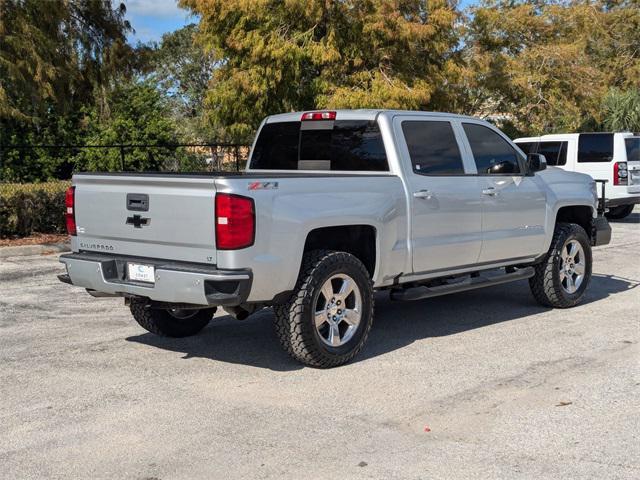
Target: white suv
{"type": "Point", "coordinates": [614, 157]}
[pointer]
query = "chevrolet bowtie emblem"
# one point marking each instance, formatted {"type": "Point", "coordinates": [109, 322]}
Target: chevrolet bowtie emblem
{"type": "Point", "coordinates": [137, 221]}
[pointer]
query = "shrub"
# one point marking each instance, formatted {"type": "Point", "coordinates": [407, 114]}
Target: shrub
{"type": "Point", "coordinates": [31, 208]}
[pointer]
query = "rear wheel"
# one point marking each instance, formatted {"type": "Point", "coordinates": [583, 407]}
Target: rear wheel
{"type": "Point", "coordinates": [327, 320]}
{"type": "Point", "coordinates": [563, 276]}
{"type": "Point", "coordinates": [618, 213]}
{"type": "Point", "coordinates": [172, 322]}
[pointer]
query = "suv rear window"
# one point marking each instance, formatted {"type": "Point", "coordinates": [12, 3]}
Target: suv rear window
{"type": "Point", "coordinates": [340, 145]}
{"type": "Point", "coordinates": [595, 147]}
{"type": "Point", "coordinates": [633, 149]}
{"type": "Point", "coordinates": [554, 152]}
{"type": "Point", "coordinates": [527, 147]}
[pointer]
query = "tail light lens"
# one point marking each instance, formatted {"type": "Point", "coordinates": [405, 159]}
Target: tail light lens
{"type": "Point", "coordinates": [620, 173]}
{"type": "Point", "coordinates": [235, 221]}
{"type": "Point", "coordinates": [326, 115]}
{"type": "Point", "coordinates": [70, 210]}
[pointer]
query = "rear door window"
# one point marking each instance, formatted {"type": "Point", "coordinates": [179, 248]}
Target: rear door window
{"type": "Point", "coordinates": [633, 149]}
{"type": "Point", "coordinates": [595, 147]}
{"type": "Point", "coordinates": [554, 152]}
{"type": "Point", "coordinates": [340, 145]}
{"type": "Point", "coordinates": [432, 147]}
{"type": "Point", "coordinates": [492, 153]}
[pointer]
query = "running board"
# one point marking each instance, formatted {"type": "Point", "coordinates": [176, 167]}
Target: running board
{"type": "Point", "coordinates": [418, 293]}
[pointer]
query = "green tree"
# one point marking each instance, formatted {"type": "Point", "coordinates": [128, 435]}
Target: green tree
{"type": "Point", "coordinates": [182, 69]}
{"type": "Point", "coordinates": [57, 59]}
{"type": "Point", "coordinates": [621, 110]}
{"type": "Point", "coordinates": [56, 53]}
{"type": "Point", "coordinates": [139, 115]}
{"type": "Point", "coordinates": [545, 66]}
{"type": "Point", "coordinates": [277, 55]}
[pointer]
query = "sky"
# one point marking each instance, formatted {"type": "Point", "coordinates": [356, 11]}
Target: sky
{"type": "Point", "coordinates": [152, 18]}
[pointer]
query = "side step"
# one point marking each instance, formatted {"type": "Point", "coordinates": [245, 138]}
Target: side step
{"type": "Point", "coordinates": [418, 293]}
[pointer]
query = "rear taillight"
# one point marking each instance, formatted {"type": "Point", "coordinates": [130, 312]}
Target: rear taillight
{"type": "Point", "coordinates": [235, 221]}
{"type": "Point", "coordinates": [70, 210]}
{"type": "Point", "coordinates": [620, 173]}
{"type": "Point", "coordinates": [327, 115]}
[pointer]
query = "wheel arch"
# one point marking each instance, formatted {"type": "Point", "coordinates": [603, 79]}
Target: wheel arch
{"type": "Point", "coordinates": [359, 240]}
{"type": "Point", "coordinates": [579, 214]}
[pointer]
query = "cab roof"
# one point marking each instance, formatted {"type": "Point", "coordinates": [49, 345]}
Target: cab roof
{"type": "Point", "coordinates": [360, 114]}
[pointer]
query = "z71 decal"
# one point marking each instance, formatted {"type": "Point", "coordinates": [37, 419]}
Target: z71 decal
{"type": "Point", "coordinates": [263, 185]}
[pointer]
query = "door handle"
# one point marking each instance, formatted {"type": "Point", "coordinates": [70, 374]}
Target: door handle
{"type": "Point", "coordinates": [491, 192]}
{"type": "Point", "coordinates": [426, 194]}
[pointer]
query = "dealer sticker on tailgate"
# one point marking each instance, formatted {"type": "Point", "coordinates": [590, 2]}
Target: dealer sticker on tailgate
{"type": "Point", "coordinates": [141, 273]}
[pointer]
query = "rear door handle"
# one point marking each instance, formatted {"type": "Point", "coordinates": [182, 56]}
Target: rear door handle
{"type": "Point", "coordinates": [426, 194]}
{"type": "Point", "coordinates": [491, 192]}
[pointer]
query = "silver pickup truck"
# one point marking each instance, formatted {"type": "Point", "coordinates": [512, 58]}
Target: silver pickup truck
{"type": "Point", "coordinates": [332, 206]}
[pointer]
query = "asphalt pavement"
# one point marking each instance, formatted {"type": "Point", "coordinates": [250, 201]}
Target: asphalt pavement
{"type": "Point", "coordinates": [482, 384]}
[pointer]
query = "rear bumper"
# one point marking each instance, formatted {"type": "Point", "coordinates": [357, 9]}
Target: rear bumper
{"type": "Point", "coordinates": [601, 234]}
{"type": "Point", "coordinates": [175, 282]}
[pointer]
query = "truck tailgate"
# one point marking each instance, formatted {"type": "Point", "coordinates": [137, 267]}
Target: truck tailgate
{"type": "Point", "coordinates": [152, 216]}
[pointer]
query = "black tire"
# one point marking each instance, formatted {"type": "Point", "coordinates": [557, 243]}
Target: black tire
{"type": "Point", "coordinates": [294, 320]}
{"type": "Point", "coordinates": [618, 213]}
{"type": "Point", "coordinates": [167, 324]}
{"type": "Point", "coordinates": [546, 285]}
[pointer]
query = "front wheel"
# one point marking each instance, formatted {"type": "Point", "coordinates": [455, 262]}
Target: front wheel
{"type": "Point", "coordinates": [618, 213]}
{"type": "Point", "coordinates": [561, 278]}
{"type": "Point", "coordinates": [171, 322]}
{"type": "Point", "coordinates": [327, 320]}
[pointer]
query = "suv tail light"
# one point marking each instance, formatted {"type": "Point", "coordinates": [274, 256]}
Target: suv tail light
{"type": "Point", "coordinates": [318, 116]}
{"type": "Point", "coordinates": [235, 221]}
{"type": "Point", "coordinates": [620, 173]}
{"type": "Point", "coordinates": [70, 210]}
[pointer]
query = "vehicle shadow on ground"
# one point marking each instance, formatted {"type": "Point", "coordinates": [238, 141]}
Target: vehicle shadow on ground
{"type": "Point", "coordinates": [397, 324]}
{"type": "Point", "coordinates": [632, 218]}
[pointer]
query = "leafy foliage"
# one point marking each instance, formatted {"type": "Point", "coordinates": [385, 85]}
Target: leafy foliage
{"type": "Point", "coordinates": [300, 54]}
{"type": "Point", "coordinates": [32, 208]}
{"type": "Point", "coordinates": [54, 54]}
{"type": "Point", "coordinates": [181, 70]}
{"type": "Point", "coordinates": [139, 115]}
{"type": "Point", "coordinates": [546, 65]}
{"type": "Point", "coordinates": [68, 75]}
{"type": "Point", "coordinates": [621, 110]}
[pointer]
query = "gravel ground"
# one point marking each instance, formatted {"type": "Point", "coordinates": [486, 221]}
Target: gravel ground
{"type": "Point", "coordinates": [483, 384]}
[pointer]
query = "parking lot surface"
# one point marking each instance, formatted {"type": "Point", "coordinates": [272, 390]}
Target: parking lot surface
{"type": "Point", "coordinates": [483, 384]}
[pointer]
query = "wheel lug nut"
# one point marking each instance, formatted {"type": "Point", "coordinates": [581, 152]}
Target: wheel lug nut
{"type": "Point", "coordinates": [339, 312]}
{"type": "Point", "coordinates": [335, 318]}
{"type": "Point", "coordinates": [338, 302]}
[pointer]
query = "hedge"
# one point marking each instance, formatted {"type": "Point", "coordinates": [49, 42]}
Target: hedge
{"type": "Point", "coordinates": [28, 208]}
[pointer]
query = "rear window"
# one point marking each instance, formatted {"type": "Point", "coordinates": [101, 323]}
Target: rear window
{"type": "Point", "coordinates": [341, 145]}
{"type": "Point", "coordinates": [595, 147]}
{"type": "Point", "coordinates": [633, 149]}
{"type": "Point", "coordinates": [554, 152]}
{"type": "Point", "coordinates": [432, 147]}
{"type": "Point", "coordinates": [527, 147]}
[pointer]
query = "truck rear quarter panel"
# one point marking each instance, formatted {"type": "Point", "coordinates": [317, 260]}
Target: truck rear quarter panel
{"type": "Point", "coordinates": [289, 208]}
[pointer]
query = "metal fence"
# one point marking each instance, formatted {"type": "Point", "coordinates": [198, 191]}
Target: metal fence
{"type": "Point", "coordinates": [29, 163]}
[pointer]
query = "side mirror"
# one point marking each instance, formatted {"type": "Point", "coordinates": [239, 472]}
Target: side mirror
{"type": "Point", "coordinates": [536, 162]}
